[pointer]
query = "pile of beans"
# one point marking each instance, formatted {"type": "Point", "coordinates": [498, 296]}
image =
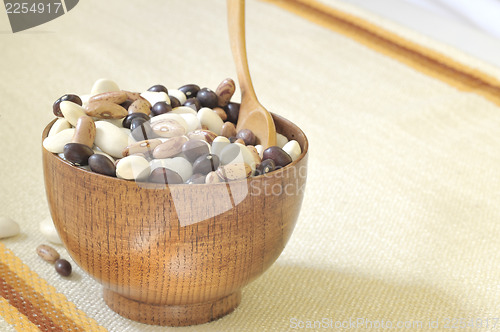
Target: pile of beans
{"type": "Point", "coordinates": [185, 135]}
{"type": "Point", "coordinates": [50, 255]}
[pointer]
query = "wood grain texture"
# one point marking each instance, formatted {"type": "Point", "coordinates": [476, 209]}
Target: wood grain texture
{"type": "Point", "coordinates": [129, 236]}
{"type": "Point", "coordinates": [252, 114]}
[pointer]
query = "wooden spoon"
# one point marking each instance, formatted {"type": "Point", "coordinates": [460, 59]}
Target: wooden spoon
{"type": "Point", "coordinates": [252, 115]}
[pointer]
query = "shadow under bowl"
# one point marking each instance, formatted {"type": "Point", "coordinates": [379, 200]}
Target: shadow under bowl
{"type": "Point", "coordinates": [175, 254]}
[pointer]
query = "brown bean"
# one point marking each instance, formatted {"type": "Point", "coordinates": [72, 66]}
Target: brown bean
{"type": "Point", "coordinates": [206, 163]}
{"type": "Point", "coordinates": [116, 97]}
{"type": "Point", "coordinates": [72, 98]}
{"type": "Point", "coordinates": [239, 140]}
{"type": "Point", "coordinates": [105, 110]}
{"type": "Point", "coordinates": [167, 128]}
{"type": "Point", "coordinates": [221, 113]}
{"type": "Point", "coordinates": [255, 154]}
{"type": "Point", "coordinates": [280, 157]}
{"type": "Point", "coordinates": [101, 164]}
{"type": "Point", "coordinates": [47, 253]}
{"type": "Point", "coordinates": [266, 166]}
{"type": "Point", "coordinates": [165, 175]}
{"type": "Point", "coordinates": [212, 177]}
{"type": "Point", "coordinates": [196, 178]}
{"type": "Point", "coordinates": [85, 131]}
{"type": "Point", "coordinates": [202, 134]}
{"type": "Point", "coordinates": [77, 153]}
{"type": "Point", "coordinates": [194, 103]}
{"type": "Point", "coordinates": [225, 91]}
{"type": "Point", "coordinates": [236, 171]}
{"type": "Point", "coordinates": [207, 98]}
{"type": "Point", "coordinates": [132, 95]}
{"type": "Point", "coordinates": [140, 106]}
{"type": "Point", "coordinates": [228, 129]}
{"type": "Point", "coordinates": [233, 112]}
{"type": "Point", "coordinates": [190, 90]}
{"type": "Point", "coordinates": [146, 147]}
{"type": "Point", "coordinates": [195, 148]}
{"type": "Point", "coordinates": [248, 136]}
{"type": "Point", "coordinates": [170, 147]}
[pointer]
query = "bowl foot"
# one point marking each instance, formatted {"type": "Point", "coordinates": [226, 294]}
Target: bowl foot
{"type": "Point", "coordinates": [171, 315]}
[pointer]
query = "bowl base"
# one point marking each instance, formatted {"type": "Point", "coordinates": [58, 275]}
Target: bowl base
{"type": "Point", "coordinates": [171, 315]}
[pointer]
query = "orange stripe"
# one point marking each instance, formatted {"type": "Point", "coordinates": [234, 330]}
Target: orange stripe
{"type": "Point", "coordinates": [50, 302]}
{"type": "Point", "coordinates": [13, 317]}
{"type": "Point", "coordinates": [25, 307]}
{"type": "Point", "coordinates": [32, 304]}
{"type": "Point", "coordinates": [416, 56]}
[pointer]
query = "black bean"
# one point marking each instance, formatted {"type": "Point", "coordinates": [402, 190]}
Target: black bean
{"type": "Point", "coordinates": [247, 136]}
{"type": "Point", "coordinates": [266, 166]}
{"type": "Point", "coordinates": [206, 163]}
{"type": "Point", "coordinates": [207, 98]}
{"type": "Point", "coordinates": [280, 157]}
{"type": "Point", "coordinates": [56, 108]}
{"type": "Point", "coordinates": [232, 111]}
{"type": "Point", "coordinates": [101, 164]}
{"type": "Point", "coordinates": [158, 88]}
{"type": "Point", "coordinates": [141, 129]}
{"type": "Point", "coordinates": [126, 104]}
{"type": "Point", "coordinates": [63, 267]}
{"type": "Point", "coordinates": [194, 148]}
{"type": "Point", "coordinates": [174, 102]}
{"type": "Point", "coordinates": [127, 121]}
{"type": "Point", "coordinates": [190, 90]}
{"type": "Point", "coordinates": [160, 107]}
{"type": "Point", "coordinates": [165, 175]}
{"type": "Point", "coordinates": [77, 153]}
{"type": "Point", "coordinates": [194, 103]}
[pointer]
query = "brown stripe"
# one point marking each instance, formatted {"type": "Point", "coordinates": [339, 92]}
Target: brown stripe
{"type": "Point", "coordinates": [24, 306]}
{"type": "Point", "coordinates": [420, 58]}
{"type": "Point", "coordinates": [29, 302]}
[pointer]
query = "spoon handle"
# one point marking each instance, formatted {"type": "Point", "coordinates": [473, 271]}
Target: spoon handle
{"type": "Point", "coordinates": [236, 25]}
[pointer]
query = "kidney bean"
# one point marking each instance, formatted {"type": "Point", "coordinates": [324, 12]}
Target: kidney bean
{"type": "Point", "coordinates": [72, 98]}
{"type": "Point", "coordinates": [160, 107]}
{"type": "Point", "coordinates": [47, 253]}
{"type": "Point", "coordinates": [190, 90]}
{"type": "Point", "coordinates": [63, 267]}
{"type": "Point", "coordinates": [266, 166]}
{"type": "Point", "coordinates": [194, 148]}
{"type": "Point", "coordinates": [194, 103]}
{"type": "Point", "coordinates": [174, 102]}
{"type": "Point", "coordinates": [225, 91]}
{"type": "Point", "coordinates": [158, 88]}
{"type": "Point", "coordinates": [232, 111]}
{"type": "Point", "coordinates": [280, 157]}
{"type": "Point", "coordinates": [196, 178]}
{"type": "Point", "coordinates": [165, 175]}
{"type": "Point", "coordinates": [101, 164]}
{"type": "Point", "coordinates": [247, 136]}
{"type": "Point", "coordinates": [77, 153]}
{"type": "Point", "coordinates": [207, 98]}
{"type": "Point", "coordinates": [128, 119]}
{"type": "Point", "coordinates": [141, 129]}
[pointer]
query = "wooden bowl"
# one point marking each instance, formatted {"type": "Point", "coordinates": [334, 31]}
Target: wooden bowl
{"type": "Point", "coordinates": [180, 254]}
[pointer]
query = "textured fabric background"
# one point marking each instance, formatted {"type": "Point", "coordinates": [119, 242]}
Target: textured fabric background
{"type": "Point", "coordinates": [400, 217]}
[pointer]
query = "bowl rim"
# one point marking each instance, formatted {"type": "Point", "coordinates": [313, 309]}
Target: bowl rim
{"type": "Point", "coordinates": [161, 185]}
